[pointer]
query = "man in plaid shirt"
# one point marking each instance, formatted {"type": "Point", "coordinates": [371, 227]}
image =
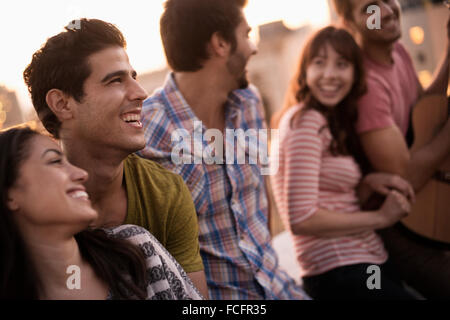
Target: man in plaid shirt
{"type": "Point", "coordinates": [207, 46]}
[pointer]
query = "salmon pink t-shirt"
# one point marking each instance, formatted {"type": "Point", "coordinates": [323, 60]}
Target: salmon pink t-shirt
{"type": "Point", "coordinates": [392, 92]}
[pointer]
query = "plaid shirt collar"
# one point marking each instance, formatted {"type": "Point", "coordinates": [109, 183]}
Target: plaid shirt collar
{"type": "Point", "coordinates": [180, 108]}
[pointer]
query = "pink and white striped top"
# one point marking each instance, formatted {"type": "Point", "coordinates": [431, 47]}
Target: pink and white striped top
{"type": "Point", "coordinates": [309, 178]}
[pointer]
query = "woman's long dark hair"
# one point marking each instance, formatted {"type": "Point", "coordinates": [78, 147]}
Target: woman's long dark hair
{"type": "Point", "coordinates": [113, 260]}
{"type": "Point", "coordinates": [342, 118]}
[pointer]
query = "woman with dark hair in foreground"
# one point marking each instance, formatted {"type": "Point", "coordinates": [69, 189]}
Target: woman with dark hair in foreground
{"type": "Point", "coordinates": [46, 248]}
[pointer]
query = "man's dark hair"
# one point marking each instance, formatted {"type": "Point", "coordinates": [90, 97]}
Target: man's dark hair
{"type": "Point", "coordinates": [344, 9]}
{"type": "Point", "coordinates": [62, 63]}
{"type": "Point", "coordinates": [187, 27]}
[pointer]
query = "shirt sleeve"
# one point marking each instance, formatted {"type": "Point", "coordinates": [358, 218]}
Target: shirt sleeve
{"type": "Point", "coordinates": [374, 108]}
{"type": "Point", "coordinates": [303, 152]}
{"type": "Point", "coordinates": [166, 278]}
{"type": "Point", "coordinates": [183, 241]}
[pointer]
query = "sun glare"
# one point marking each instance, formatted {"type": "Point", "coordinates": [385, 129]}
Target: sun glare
{"type": "Point", "coordinates": [26, 25]}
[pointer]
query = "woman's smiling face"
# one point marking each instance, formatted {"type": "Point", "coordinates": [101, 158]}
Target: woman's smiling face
{"type": "Point", "coordinates": [329, 76]}
{"type": "Point", "coordinates": [49, 190]}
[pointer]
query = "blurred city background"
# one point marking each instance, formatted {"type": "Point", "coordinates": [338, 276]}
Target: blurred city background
{"type": "Point", "coordinates": [280, 29]}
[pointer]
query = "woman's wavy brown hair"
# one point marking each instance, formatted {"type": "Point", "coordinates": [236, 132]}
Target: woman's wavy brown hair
{"type": "Point", "coordinates": [341, 118]}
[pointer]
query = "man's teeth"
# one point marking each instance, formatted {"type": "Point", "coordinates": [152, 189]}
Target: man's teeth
{"type": "Point", "coordinates": [79, 194]}
{"type": "Point", "coordinates": [131, 118]}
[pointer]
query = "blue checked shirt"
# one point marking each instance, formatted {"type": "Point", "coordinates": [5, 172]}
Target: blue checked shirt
{"type": "Point", "coordinates": [230, 198]}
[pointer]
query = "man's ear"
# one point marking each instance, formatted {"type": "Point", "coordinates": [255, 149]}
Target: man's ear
{"type": "Point", "coordinates": [219, 46]}
{"type": "Point", "coordinates": [58, 102]}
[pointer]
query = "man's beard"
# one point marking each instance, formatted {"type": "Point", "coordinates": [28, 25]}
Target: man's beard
{"type": "Point", "coordinates": [236, 65]}
{"type": "Point", "coordinates": [243, 81]}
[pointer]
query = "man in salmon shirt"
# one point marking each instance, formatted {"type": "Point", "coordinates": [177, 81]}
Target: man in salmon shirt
{"type": "Point", "coordinates": [384, 124]}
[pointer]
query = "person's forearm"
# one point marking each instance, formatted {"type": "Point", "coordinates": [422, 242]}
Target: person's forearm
{"type": "Point", "coordinates": [439, 83]}
{"type": "Point", "coordinates": [423, 162]}
{"type": "Point", "coordinates": [331, 224]}
{"type": "Point", "coordinates": [363, 192]}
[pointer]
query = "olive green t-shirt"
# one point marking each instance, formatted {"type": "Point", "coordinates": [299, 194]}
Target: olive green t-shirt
{"type": "Point", "coordinates": [159, 201]}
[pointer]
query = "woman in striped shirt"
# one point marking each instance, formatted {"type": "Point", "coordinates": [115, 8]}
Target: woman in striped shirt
{"type": "Point", "coordinates": [319, 187]}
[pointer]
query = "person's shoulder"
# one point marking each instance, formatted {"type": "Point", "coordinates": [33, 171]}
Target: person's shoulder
{"type": "Point", "coordinates": [376, 80]}
{"type": "Point", "coordinates": [403, 59]}
{"type": "Point", "coordinates": [297, 122]}
{"type": "Point", "coordinates": [251, 93]}
{"type": "Point", "coordinates": [141, 237]}
{"type": "Point", "coordinates": [401, 49]}
{"type": "Point", "coordinates": [155, 101]}
{"type": "Point", "coordinates": [162, 96]}
{"type": "Point", "coordinates": [295, 117]}
{"type": "Point", "coordinates": [251, 105]}
{"type": "Point", "coordinates": [126, 231]}
{"type": "Point", "coordinates": [155, 114]}
{"type": "Point", "coordinates": [161, 176]}
{"type": "Point", "coordinates": [138, 236]}
{"type": "Point", "coordinates": [286, 119]}
{"type": "Point", "coordinates": [311, 118]}
{"type": "Point", "coordinates": [150, 165]}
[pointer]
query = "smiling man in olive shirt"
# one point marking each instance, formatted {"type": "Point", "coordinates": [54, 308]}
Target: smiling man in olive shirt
{"type": "Point", "coordinates": [86, 94]}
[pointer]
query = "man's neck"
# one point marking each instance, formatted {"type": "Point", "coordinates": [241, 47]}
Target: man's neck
{"type": "Point", "coordinates": [380, 53]}
{"type": "Point", "coordinates": [206, 93]}
{"type": "Point", "coordinates": [105, 182]}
